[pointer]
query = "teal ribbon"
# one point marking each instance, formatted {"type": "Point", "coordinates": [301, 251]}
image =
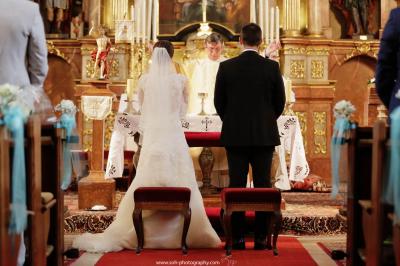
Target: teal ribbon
{"type": "Point", "coordinates": [342, 126]}
{"type": "Point", "coordinates": [67, 121]}
{"type": "Point", "coordinates": [392, 190]}
{"type": "Point", "coordinates": [14, 119]}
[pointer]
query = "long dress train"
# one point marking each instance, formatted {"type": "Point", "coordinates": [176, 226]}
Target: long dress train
{"type": "Point", "coordinates": [164, 161]}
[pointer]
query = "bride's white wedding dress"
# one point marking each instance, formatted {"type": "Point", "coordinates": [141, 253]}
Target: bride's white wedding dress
{"type": "Point", "coordinates": [164, 161]}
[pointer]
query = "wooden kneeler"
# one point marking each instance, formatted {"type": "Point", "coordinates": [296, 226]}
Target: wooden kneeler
{"type": "Point", "coordinates": [252, 199]}
{"type": "Point", "coordinates": [161, 199]}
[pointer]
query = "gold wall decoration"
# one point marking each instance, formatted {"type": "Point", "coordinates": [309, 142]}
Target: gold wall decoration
{"type": "Point", "coordinates": [109, 126]}
{"type": "Point", "coordinates": [306, 51]}
{"type": "Point", "coordinates": [297, 69]}
{"type": "Point", "coordinates": [320, 127]}
{"type": "Point", "coordinates": [302, 116]}
{"type": "Point", "coordinates": [317, 69]}
{"type": "Point", "coordinates": [52, 49]}
{"type": "Point", "coordinates": [114, 68]}
{"type": "Point", "coordinates": [88, 131]}
{"type": "Point", "coordinates": [89, 69]}
{"type": "Point", "coordinates": [360, 48]}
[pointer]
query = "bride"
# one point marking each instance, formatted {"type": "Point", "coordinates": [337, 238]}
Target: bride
{"type": "Point", "coordinates": [164, 161]}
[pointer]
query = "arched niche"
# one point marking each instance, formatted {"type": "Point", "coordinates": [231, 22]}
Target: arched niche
{"type": "Point", "coordinates": [59, 83]}
{"type": "Point", "coordinates": [352, 83]}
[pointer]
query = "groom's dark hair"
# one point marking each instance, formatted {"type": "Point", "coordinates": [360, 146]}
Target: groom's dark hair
{"type": "Point", "coordinates": [251, 34]}
{"type": "Point", "coordinates": [167, 45]}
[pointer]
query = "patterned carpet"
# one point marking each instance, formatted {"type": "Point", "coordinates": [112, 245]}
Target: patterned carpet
{"type": "Point", "coordinates": [305, 214]}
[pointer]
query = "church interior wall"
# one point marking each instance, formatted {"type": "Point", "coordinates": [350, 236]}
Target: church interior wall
{"type": "Point", "coordinates": [352, 84]}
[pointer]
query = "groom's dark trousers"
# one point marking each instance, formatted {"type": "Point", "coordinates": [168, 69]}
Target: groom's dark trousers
{"type": "Point", "coordinates": [239, 159]}
{"type": "Point", "coordinates": [249, 97]}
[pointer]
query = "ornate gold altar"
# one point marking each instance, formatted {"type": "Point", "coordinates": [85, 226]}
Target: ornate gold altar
{"type": "Point", "coordinates": [323, 66]}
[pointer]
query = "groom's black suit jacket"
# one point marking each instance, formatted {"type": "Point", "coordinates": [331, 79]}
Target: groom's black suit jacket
{"type": "Point", "coordinates": [249, 97]}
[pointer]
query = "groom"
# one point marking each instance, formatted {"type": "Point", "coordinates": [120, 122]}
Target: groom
{"type": "Point", "coordinates": [249, 97]}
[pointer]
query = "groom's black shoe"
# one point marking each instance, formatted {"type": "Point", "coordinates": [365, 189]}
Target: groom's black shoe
{"type": "Point", "coordinates": [260, 244]}
{"type": "Point", "coordinates": [239, 244]}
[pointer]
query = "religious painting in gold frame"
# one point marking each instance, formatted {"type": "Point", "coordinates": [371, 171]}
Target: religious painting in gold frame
{"type": "Point", "coordinates": [175, 15]}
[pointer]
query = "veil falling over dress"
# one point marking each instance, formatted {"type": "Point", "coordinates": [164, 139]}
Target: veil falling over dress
{"type": "Point", "coordinates": [164, 161]}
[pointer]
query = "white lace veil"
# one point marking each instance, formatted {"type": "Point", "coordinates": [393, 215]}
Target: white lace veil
{"type": "Point", "coordinates": [158, 93]}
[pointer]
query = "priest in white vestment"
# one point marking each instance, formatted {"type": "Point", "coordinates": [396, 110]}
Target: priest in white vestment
{"type": "Point", "coordinates": [203, 81]}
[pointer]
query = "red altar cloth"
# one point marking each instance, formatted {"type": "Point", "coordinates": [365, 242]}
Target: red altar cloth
{"type": "Point", "coordinates": [203, 139]}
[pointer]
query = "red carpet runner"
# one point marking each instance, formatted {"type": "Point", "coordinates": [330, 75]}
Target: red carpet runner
{"type": "Point", "coordinates": [291, 252]}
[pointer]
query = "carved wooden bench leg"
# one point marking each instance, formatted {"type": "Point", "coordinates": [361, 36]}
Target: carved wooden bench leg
{"type": "Point", "coordinates": [138, 223]}
{"type": "Point", "coordinates": [186, 223]}
{"type": "Point", "coordinates": [228, 231]}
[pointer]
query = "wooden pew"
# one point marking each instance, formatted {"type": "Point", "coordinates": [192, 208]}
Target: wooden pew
{"type": "Point", "coordinates": [52, 170]}
{"type": "Point", "coordinates": [373, 218]}
{"type": "Point", "coordinates": [8, 251]}
{"type": "Point", "coordinates": [45, 198]}
{"type": "Point", "coordinates": [43, 156]}
{"type": "Point", "coordinates": [359, 188]}
{"type": "Point", "coordinates": [377, 223]}
{"type": "Point", "coordinates": [396, 238]}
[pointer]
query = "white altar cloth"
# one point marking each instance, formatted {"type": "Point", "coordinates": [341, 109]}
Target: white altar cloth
{"type": "Point", "coordinates": [126, 125]}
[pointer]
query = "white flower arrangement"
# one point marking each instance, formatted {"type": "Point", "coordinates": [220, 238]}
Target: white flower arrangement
{"type": "Point", "coordinates": [11, 95]}
{"type": "Point", "coordinates": [66, 107]}
{"type": "Point", "coordinates": [8, 94]}
{"type": "Point", "coordinates": [343, 109]}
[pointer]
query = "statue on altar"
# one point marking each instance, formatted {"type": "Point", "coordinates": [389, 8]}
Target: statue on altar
{"type": "Point", "coordinates": [100, 55]}
{"type": "Point", "coordinates": [358, 17]}
{"type": "Point", "coordinates": [359, 9]}
{"type": "Point", "coordinates": [55, 11]}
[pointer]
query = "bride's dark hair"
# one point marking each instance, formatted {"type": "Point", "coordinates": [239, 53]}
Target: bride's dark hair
{"type": "Point", "coordinates": [167, 45]}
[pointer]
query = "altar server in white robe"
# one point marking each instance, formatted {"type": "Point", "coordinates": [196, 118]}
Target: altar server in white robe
{"type": "Point", "coordinates": [203, 81]}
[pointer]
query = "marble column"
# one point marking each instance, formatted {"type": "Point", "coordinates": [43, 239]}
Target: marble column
{"type": "Point", "coordinates": [314, 18]}
{"type": "Point", "coordinates": [291, 18]}
{"type": "Point", "coordinates": [325, 19]}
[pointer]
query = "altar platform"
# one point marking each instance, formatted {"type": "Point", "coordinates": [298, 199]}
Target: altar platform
{"type": "Point", "coordinates": [305, 213]}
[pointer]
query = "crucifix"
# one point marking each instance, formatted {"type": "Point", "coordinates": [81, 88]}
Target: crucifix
{"type": "Point", "coordinates": [206, 121]}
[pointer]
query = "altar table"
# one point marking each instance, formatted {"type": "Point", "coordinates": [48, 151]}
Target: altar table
{"type": "Point", "coordinates": [204, 131]}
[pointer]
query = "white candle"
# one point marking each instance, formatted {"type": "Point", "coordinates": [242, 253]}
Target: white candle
{"type": "Point", "coordinates": [137, 22]}
{"type": "Point", "coordinates": [277, 25]}
{"type": "Point", "coordinates": [149, 13]}
{"type": "Point", "coordinates": [132, 13]}
{"type": "Point", "coordinates": [261, 14]}
{"type": "Point", "coordinates": [143, 23]}
{"type": "Point", "coordinates": [253, 11]}
{"type": "Point", "coordinates": [204, 10]}
{"type": "Point", "coordinates": [271, 29]}
{"type": "Point", "coordinates": [266, 22]}
{"type": "Point", "coordinates": [155, 15]}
